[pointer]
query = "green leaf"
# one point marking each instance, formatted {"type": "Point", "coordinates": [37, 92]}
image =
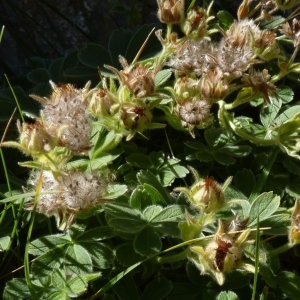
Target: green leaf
{"type": "Point", "coordinates": [162, 76]}
{"type": "Point", "coordinates": [269, 112]}
{"type": "Point", "coordinates": [292, 164]}
{"type": "Point", "coordinates": [101, 255]}
{"type": "Point", "coordinates": [278, 224]}
{"type": "Point", "coordinates": [38, 76]}
{"type": "Point", "coordinates": [172, 213]}
{"type": "Point", "coordinates": [263, 206]}
{"type": "Point", "coordinates": [227, 296]}
{"type": "Point", "coordinates": [215, 137]}
{"type": "Point", "coordinates": [77, 260]}
{"type": "Point", "coordinates": [245, 181]}
{"type": "Point", "coordinates": [287, 115]}
{"type": "Point", "coordinates": [4, 242]}
{"type": "Point", "coordinates": [117, 45]}
{"type": "Point", "coordinates": [268, 275]}
{"type": "Point", "coordinates": [46, 263]}
{"type": "Point", "coordinates": [156, 197]}
{"type": "Point", "coordinates": [171, 170]}
{"type": "Point", "coordinates": [151, 211]}
{"type": "Point", "coordinates": [76, 286]}
{"type": "Point", "coordinates": [147, 242]}
{"type": "Point", "coordinates": [16, 288]}
{"type": "Point", "coordinates": [102, 161]}
{"type": "Point", "coordinates": [126, 288]}
{"type": "Point", "coordinates": [46, 243]}
{"type": "Point", "coordinates": [124, 218]}
{"type": "Point", "coordinates": [55, 69]}
{"type": "Point", "coordinates": [81, 73]}
{"type": "Point", "coordinates": [95, 234]}
{"type": "Point", "coordinates": [273, 23]}
{"type": "Point", "coordinates": [225, 18]}
{"type": "Point", "coordinates": [289, 283]}
{"type": "Point", "coordinates": [126, 254]}
{"type": "Point", "coordinates": [147, 177]}
{"type": "Point", "coordinates": [140, 160]}
{"type": "Point", "coordinates": [223, 158]}
{"type": "Point", "coordinates": [114, 191]}
{"type": "Point", "coordinates": [103, 141]}
{"type": "Point", "coordinates": [58, 295]}
{"type": "Point", "coordinates": [94, 56]}
{"type": "Point", "coordinates": [185, 291]}
{"type": "Point", "coordinates": [242, 207]}
{"type": "Point", "coordinates": [286, 94]}
{"type": "Point", "coordinates": [152, 47]}
{"type": "Point", "coordinates": [140, 198]}
{"type": "Point", "coordinates": [204, 155]}
{"type": "Point", "coordinates": [58, 278]}
{"type": "Point", "coordinates": [157, 289]}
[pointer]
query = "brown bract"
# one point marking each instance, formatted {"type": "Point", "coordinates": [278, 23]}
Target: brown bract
{"type": "Point", "coordinates": [138, 78]}
{"type": "Point", "coordinates": [170, 11]}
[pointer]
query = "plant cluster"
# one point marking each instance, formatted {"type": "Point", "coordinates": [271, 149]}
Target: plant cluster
{"type": "Point", "coordinates": [131, 168]}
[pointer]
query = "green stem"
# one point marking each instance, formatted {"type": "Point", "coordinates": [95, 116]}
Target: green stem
{"type": "Point", "coordinates": [169, 31]}
{"type": "Point", "coordinates": [250, 137]}
{"type": "Point", "coordinates": [280, 250]}
{"type": "Point", "coordinates": [174, 258]}
{"type": "Point", "coordinates": [238, 102]}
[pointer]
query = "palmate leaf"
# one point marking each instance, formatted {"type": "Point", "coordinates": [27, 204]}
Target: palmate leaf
{"type": "Point", "coordinates": [166, 170]}
{"type": "Point", "coordinates": [78, 251]}
{"type": "Point", "coordinates": [219, 148]}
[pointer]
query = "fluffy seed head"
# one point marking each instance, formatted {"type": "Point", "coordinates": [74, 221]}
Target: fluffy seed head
{"type": "Point", "coordinates": [65, 116]}
{"type": "Point", "coordinates": [193, 111]}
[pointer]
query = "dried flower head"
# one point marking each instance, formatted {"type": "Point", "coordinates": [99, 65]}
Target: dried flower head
{"type": "Point", "coordinates": [68, 193]}
{"type": "Point", "coordinates": [193, 111]}
{"type": "Point", "coordinates": [235, 52]}
{"type": "Point", "coordinates": [213, 86]}
{"type": "Point", "coordinates": [259, 82]}
{"type": "Point", "coordinates": [266, 46]}
{"type": "Point", "coordinates": [292, 33]}
{"type": "Point", "coordinates": [193, 56]}
{"type": "Point", "coordinates": [170, 11]}
{"type": "Point", "coordinates": [65, 116]}
{"type": "Point", "coordinates": [138, 78]}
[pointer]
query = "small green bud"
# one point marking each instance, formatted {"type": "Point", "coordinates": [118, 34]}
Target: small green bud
{"type": "Point", "coordinates": [34, 139]}
{"type": "Point", "coordinates": [208, 194]}
{"type": "Point", "coordinates": [185, 88]}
